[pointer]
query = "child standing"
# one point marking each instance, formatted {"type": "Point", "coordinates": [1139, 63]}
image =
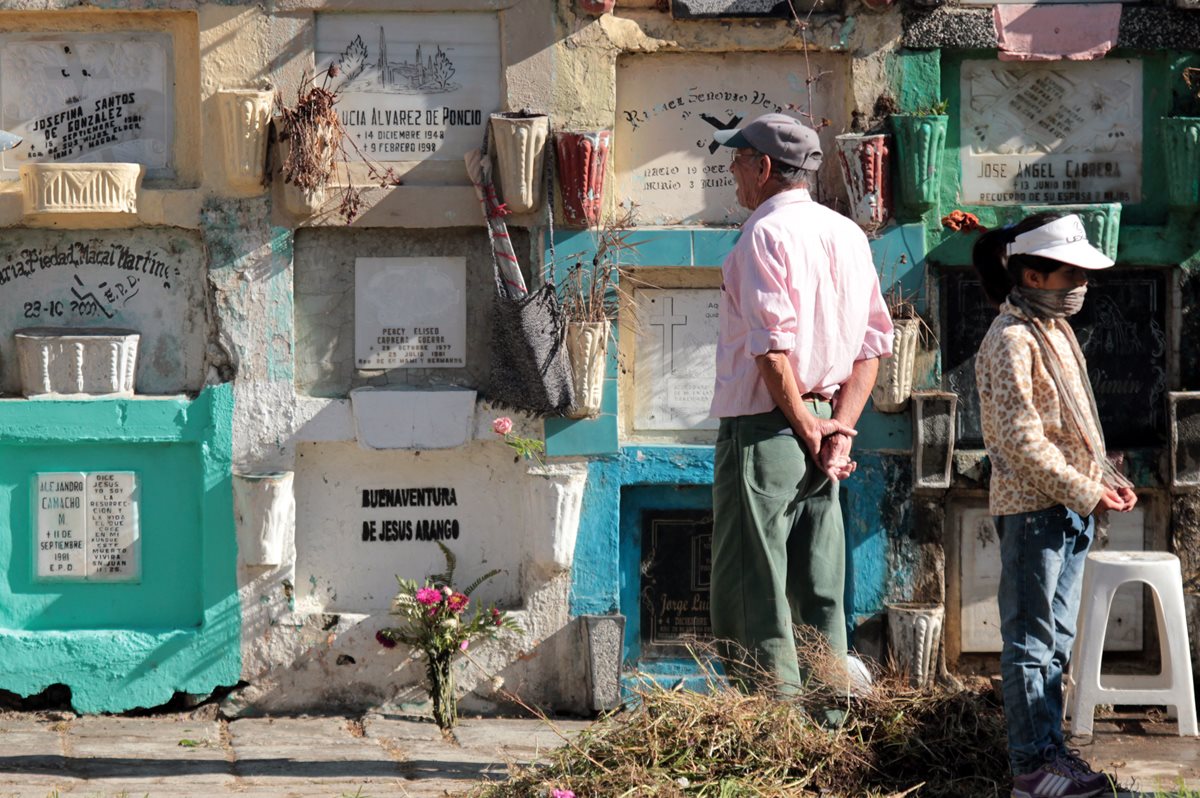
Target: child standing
{"type": "Point", "coordinates": [1050, 477]}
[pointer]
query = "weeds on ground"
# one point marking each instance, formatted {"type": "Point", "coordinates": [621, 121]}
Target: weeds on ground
{"type": "Point", "coordinates": [895, 741]}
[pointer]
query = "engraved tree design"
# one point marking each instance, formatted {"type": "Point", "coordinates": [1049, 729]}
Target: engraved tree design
{"type": "Point", "coordinates": [353, 59]}
{"type": "Point", "coordinates": [443, 69]}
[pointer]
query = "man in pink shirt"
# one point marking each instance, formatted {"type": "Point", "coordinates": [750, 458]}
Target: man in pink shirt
{"type": "Point", "coordinates": [802, 327]}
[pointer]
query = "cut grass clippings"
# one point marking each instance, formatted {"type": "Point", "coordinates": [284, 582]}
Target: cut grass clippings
{"type": "Point", "coordinates": [896, 740]}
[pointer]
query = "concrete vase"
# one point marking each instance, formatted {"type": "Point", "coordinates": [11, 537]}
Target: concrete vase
{"type": "Point", "coordinates": [519, 141]}
{"type": "Point", "coordinates": [245, 120]}
{"type": "Point", "coordinates": [264, 506]}
{"type": "Point", "coordinates": [553, 501]}
{"type": "Point", "coordinates": [603, 648]}
{"type": "Point", "coordinates": [582, 161]}
{"type": "Point", "coordinates": [76, 188]}
{"type": "Point", "coordinates": [1181, 151]}
{"type": "Point", "coordinates": [69, 362]}
{"type": "Point", "coordinates": [915, 635]}
{"type": "Point", "coordinates": [934, 422]}
{"type": "Point", "coordinates": [865, 163]}
{"type": "Point", "coordinates": [587, 345]}
{"type": "Point", "coordinates": [894, 381]}
{"type": "Point", "coordinates": [920, 141]}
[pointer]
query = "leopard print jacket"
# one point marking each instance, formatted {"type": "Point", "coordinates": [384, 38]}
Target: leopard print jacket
{"type": "Point", "coordinates": [1038, 459]}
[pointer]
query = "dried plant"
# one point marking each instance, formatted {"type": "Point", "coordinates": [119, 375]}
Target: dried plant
{"type": "Point", "coordinates": [939, 741]}
{"type": "Point", "coordinates": [318, 144]}
{"type": "Point", "coordinates": [902, 305]}
{"type": "Point", "coordinates": [592, 292]}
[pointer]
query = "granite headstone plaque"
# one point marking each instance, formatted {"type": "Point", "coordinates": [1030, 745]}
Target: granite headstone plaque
{"type": "Point", "coordinates": [87, 97]}
{"type": "Point", "coordinates": [1051, 133]}
{"type": "Point", "coordinates": [1121, 330]}
{"type": "Point", "coordinates": [669, 106]}
{"type": "Point", "coordinates": [88, 527]}
{"type": "Point", "coordinates": [410, 313]}
{"type": "Point", "coordinates": [674, 365]}
{"type": "Point", "coordinates": [676, 571]}
{"type": "Point", "coordinates": [413, 87]}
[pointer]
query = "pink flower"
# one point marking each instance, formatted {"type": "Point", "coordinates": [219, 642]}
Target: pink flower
{"type": "Point", "coordinates": [502, 425]}
{"type": "Point", "coordinates": [497, 618]}
{"type": "Point", "coordinates": [384, 639]}
{"type": "Point", "coordinates": [429, 596]}
{"type": "Point", "coordinates": [458, 602]}
{"type": "Point", "coordinates": [463, 645]}
{"type": "Point", "coordinates": [562, 794]}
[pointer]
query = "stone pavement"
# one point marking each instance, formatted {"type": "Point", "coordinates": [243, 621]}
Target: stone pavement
{"type": "Point", "coordinates": [307, 757]}
{"type": "Point", "coordinates": [47, 754]}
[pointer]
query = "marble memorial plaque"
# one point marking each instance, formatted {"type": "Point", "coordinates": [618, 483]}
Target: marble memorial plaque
{"type": "Point", "coordinates": [979, 558]}
{"type": "Point", "coordinates": [114, 532]}
{"type": "Point", "coordinates": [1051, 133]}
{"type": "Point", "coordinates": [61, 513]}
{"type": "Point", "coordinates": [674, 365]}
{"type": "Point", "coordinates": [410, 313]}
{"type": "Point", "coordinates": [413, 87]}
{"type": "Point", "coordinates": [669, 106]}
{"type": "Point", "coordinates": [87, 97]}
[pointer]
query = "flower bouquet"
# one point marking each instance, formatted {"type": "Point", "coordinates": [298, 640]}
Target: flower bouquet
{"type": "Point", "coordinates": [437, 625]}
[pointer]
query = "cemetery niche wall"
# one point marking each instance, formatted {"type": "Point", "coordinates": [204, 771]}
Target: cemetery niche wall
{"type": "Point", "coordinates": [117, 544]}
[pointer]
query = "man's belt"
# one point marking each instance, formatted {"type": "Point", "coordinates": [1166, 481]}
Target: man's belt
{"type": "Point", "coordinates": [814, 397]}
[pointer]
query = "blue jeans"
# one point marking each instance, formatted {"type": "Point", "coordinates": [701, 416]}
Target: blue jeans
{"type": "Point", "coordinates": [1042, 555]}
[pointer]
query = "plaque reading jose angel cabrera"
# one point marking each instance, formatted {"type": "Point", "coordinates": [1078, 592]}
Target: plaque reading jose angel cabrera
{"type": "Point", "coordinates": [413, 87]}
{"type": "Point", "coordinates": [1056, 133]}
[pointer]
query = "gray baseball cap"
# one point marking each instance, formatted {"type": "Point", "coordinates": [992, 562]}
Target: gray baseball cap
{"type": "Point", "coordinates": [779, 136]}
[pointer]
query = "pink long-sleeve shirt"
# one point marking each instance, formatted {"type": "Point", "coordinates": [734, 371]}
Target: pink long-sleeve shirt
{"type": "Point", "coordinates": [799, 280]}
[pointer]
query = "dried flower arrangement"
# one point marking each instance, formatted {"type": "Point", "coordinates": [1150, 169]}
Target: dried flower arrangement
{"type": "Point", "coordinates": [316, 143]}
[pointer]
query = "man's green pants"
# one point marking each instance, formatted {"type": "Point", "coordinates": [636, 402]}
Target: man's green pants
{"type": "Point", "coordinates": [778, 550]}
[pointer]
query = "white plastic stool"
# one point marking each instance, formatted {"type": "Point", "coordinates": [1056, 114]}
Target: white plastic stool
{"type": "Point", "coordinates": [1104, 572]}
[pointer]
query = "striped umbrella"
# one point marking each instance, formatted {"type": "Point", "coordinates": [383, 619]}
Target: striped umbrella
{"type": "Point", "coordinates": [479, 168]}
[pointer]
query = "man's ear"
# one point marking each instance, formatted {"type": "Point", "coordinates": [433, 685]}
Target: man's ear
{"type": "Point", "coordinates": [765, 165]}
{"type": "Point", "coordinates": [1034, 278]}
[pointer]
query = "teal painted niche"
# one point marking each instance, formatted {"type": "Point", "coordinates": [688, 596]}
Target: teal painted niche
{"type": "Point", "coordinates": [680, 477]}
{"type": "Point", "coordinates": [1150, 235]}
{"type": "Point", "coordinates": [124, 645]}
{"type": "Point", "coordinates": [649, 247]}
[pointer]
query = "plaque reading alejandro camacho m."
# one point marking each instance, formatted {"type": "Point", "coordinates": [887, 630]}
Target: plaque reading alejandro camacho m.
{"type": "Point", "coordinates": [676, 571]}
{"type": "Point", "coordinates": [87, 526]}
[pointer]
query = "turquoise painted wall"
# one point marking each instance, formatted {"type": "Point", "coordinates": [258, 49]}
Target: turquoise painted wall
{"type": "Point", "coordinates": [124, 645]}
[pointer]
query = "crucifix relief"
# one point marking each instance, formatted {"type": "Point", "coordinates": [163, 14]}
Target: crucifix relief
{"type": "Point", "coordinates": [667, 321]}
{"type": "Point", "coordinates": [675, 358]}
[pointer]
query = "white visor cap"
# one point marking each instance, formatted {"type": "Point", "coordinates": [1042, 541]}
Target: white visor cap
{"type": "Point", "coordinates": [1063, 239]}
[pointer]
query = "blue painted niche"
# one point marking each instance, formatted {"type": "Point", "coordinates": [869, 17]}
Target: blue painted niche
{"type": "Point", "coordinates": [624, 479]}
